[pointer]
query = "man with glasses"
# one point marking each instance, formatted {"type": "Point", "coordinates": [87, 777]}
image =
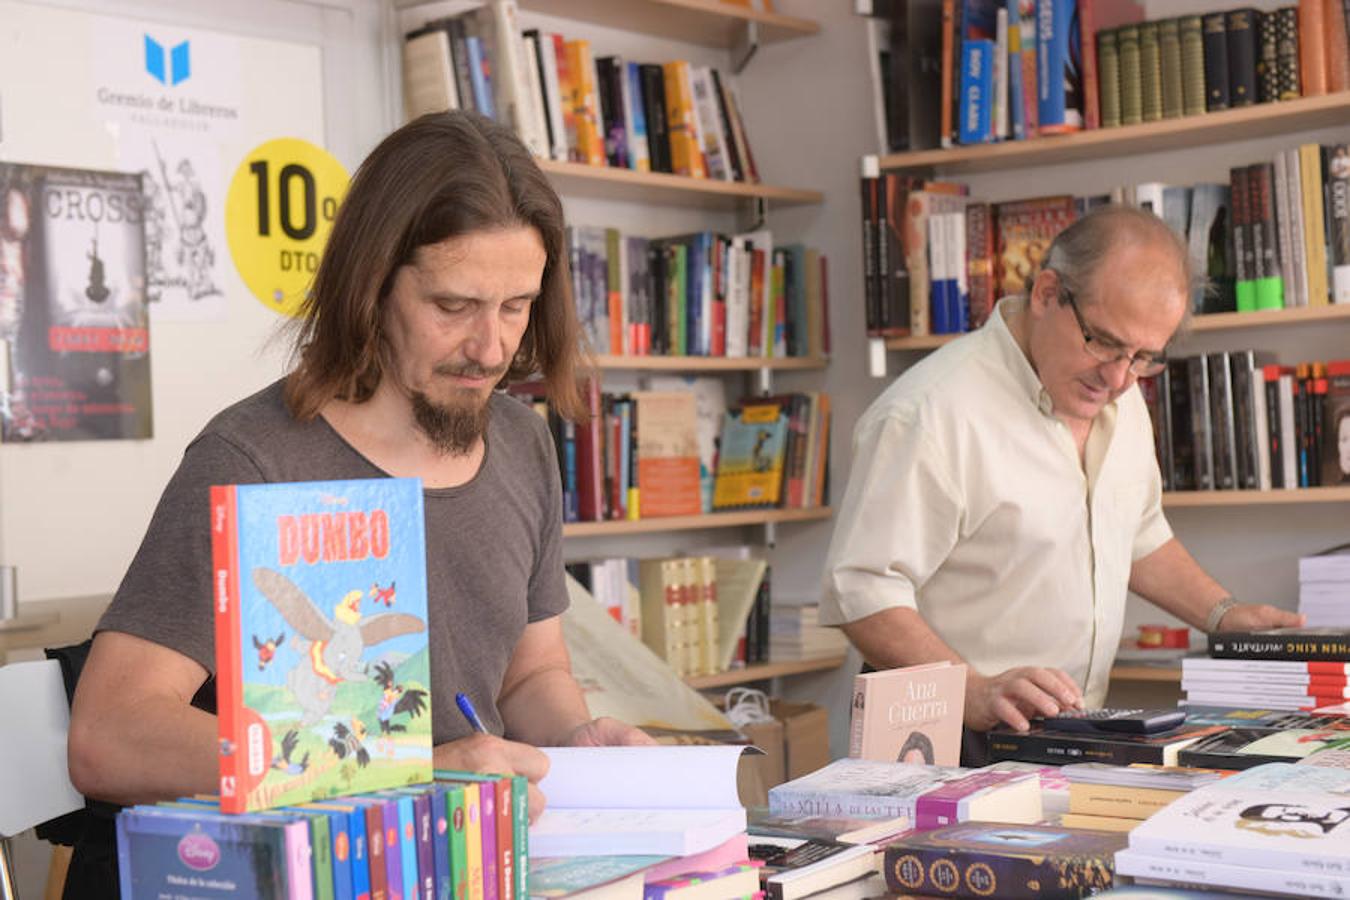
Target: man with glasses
{"type": "Point", "coordinates": [1005, 497]}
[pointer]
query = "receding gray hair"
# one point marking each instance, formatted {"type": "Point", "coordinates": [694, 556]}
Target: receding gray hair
{"type": "Point", "coordinates": [1079, 249]}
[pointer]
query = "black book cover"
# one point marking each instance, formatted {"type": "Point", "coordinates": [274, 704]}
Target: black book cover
{"type": "Point", "coordinates": [1201, 428]}
{"type": "Point", "coordinates": [1295, 644]}
{"type": "Point", "coordinates": [1265, 234]}
{"type": "Point", "coordinates": [1221, 422]}
{"type": "Point", "coordinates": [1273, 445]}
{"type": "Point", "coordinates": [654, 103]}
{"type": "Point", "coordinates": [733, 154]}
{"type": "Point", "coordinates": [1225, 750]}
{"type": "Point", "coordinates": [608, 76]}
{"type": "Point", "coordinates": [1241, 28]}
{"type": "Point", "coordinates": [881, 246]}
{"type": "Point", "coordinates": [1216, 62]}
{"type": "Point", "coordinates": [896, 273]}
{"type": "Point", "coordinates": [658, 277]}
{"type": "Point", "coordinates": [1179, 415]}
{"type": "Point", "coordinates": [1286, 52]}
{"type": "Point", "coordinates": [913, 111]}
{"type": "Point", "coordinates": [1267, 58]}
{"type": "Point", "coordinates": [1040, 745]}
{"type": "Point", "coordinates": [73, 308]}
{"type": "Point", "coordinates": [871, 274]}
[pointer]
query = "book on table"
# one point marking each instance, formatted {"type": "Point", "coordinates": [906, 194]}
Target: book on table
{"type": "Point", "coordinates": [911, 714]}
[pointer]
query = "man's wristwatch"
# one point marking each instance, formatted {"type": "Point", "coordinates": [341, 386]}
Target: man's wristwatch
{"type": "Point", "coordinates": [1217, 612]}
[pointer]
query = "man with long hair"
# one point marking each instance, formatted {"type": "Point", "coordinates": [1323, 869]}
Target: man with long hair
{"type": "Point", "coordinates": [445, 276]}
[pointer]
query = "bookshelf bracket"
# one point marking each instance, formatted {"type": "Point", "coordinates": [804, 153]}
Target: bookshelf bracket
{"type": "Point", "coordinates": [744, 46]}
{"type": "Point", "coordinates": [759, 212]}
{"type": "Point", "coordinates": [770, 534]}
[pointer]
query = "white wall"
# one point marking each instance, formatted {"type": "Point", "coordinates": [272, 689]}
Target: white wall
{"type": "Point", "coordinates": [72, 514]}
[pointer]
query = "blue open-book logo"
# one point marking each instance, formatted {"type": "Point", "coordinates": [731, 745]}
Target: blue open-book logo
{"type": "Point", "coordinates": [171, 67]}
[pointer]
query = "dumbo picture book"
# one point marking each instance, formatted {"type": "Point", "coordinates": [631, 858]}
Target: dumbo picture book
{"type": "Point", "coordinates": [322, 670]}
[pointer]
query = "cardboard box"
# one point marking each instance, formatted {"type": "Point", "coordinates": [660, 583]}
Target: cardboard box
{"type": "Point", "coordinates": [796, 742]}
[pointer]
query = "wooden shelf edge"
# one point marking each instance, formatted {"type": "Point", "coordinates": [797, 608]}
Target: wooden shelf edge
{"type": "Point", "coordinates": [763, 672]}
{"type": "Point", "coordinates": [1266, 317]}
{"type": "Point", "coordinates": [1123, 672]}
{"type": "Point", "coordinates": [920, 342]}
{"type": "Point", "coordinates": [1182, 499]}
{"type": "Point", "coordinates": [630, 178]}
{"type": "Point", "coordinates": [708, 363]}
{"type": "Point", "coordinates": [778, 26]}
{"type": "Point", "coordinates": [1303, 114]}
{"type": "Point", "coordinates": [620, 527]}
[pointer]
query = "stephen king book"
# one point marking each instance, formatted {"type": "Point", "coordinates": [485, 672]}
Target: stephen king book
{"type": "Point", "coordinates": [322, 669]}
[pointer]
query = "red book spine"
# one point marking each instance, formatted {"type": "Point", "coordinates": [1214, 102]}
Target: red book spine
{"type": "Point", "coordinates": [506, 861]}
{"type": "Point", "coordinates": [229, 667]}
{"type": "Point", "coordinates": [379, 878]}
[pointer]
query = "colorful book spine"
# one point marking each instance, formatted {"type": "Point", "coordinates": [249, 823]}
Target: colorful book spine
{"type": "Point", "coordinates": [1243, 248]}
{"type": "Point", "coordinates": [1169, 52]}
{"type": "Point", "coordinates": [1016, 88]}
{"type": "Point", "coordinates": [1240, 27]}
{"type": "Point", "coordinates": [1131, 79]}
{"type": "Point", "coordinates": [1057, 81]}
{"type": "Point", "coordinates": [1108, 72]}
{"type": "Point", "coordinates": [1192, 66]}
{"type": "Point", "coordinates": [977, 88]}
{"type": "Point", "coordinates": [1150, 72]}
{"type": "Point", "coordinates": [1216, 62]}
{"type": "Point", "coordinates": [1269, 274]}
{"type": "Point", "coordinates": [685, 154]}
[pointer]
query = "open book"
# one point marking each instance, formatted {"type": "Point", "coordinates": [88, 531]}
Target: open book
{"type": "Point", "coordinates": [670, 801]}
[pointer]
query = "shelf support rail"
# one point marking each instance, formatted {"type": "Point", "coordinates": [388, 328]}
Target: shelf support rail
{"type": "Point", "coordinates": [744, 46]}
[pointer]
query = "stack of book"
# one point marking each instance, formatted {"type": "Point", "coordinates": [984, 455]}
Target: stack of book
{"type": "Point", "coordinates": [1277, 829]}
{"type": "Point", "coordinates": [1118, 798]}
{"type": "Point", "coordinates": [1252, 737]}
{"type": "Point", "coordinates": [1283, 669]}
{"type": "Point", "coordinates": [1324, 579]}
{"type": "Point", "coordinates": [1040, 744]}
{"type": "Point", "coordinates": [795, 633]}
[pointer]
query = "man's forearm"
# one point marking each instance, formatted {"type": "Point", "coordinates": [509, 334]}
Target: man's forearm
{"type": "Point", "coordinates": [544, 708]}
{"type": "Point", "coordinates": [1172, 580]}
{"type": "Point", "coordinates": [898, 637]}
{"type": "Point", "coordinates": [150, 752]}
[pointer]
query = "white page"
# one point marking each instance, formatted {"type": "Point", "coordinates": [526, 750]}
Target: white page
{"type": "Point", "coordinates": [665, 832]}
{"type": "Point", "coordinates": [642, 777]}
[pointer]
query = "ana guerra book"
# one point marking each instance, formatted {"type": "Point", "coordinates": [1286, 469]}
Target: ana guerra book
{"type": "Point", "coordinates": [909, 715]}
{"type": "Point", "coordinates": [322, 671]}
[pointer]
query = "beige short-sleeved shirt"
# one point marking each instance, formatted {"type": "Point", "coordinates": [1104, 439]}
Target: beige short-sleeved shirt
{"type": "Point", "coordinates": [967, 502]}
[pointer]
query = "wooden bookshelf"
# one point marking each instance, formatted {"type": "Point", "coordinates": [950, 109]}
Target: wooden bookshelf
{"type": "Point", "coordinates": [708, 23]}
{"type": "Point", "coordinates": [697, 364]}
{"type": "Point", "coordinates": [1228, 321]}
{"type": "Point", "coordinates": [1303, 114]}
{"type": "Point", "coordinates": [620, 527]}
{"type": "Point", "coordinates": [1181, 499]}
{"type": "Point", "coordinates": [763, 672]}
{"type": "Point", "coordinates": [612, 183]}
{"type": "Point", "coordinates": [1297, 315]}
{"type": "Point", "coordinates": [920, 342]}
{"type": "Point", "coordinates": [1125, 672]}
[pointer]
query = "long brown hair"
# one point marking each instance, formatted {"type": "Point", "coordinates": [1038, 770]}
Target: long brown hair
{"type": "Point", "coordinates": [440, 176]}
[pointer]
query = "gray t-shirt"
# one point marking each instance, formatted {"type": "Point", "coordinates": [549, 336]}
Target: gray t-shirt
{"type": "Point", "coordinates": [494, 545]}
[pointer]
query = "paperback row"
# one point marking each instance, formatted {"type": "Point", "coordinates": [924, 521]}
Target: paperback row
{"type": "Point", "coordinates": [643, 454]}
{"type": "Point", "coordinates": [565, 103]}
{"type": "Point", "coordinates": [701, 294]}
{"type": "Point", "coordinates": [1016, 69]}
{"type": "Point", "coordinates": [464, 836]}
{"type": "Point", "coordinates": [1238, 421]}
{"type": "Point", "coordinates": [935, 261]}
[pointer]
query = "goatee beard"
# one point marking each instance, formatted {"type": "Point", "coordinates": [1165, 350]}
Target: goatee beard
{"type": "Point", "coordinates": [453, 430]}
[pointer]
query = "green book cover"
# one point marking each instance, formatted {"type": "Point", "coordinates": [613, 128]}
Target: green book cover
{"type": "Point", "coordinates": [1169, 52]}
{"type": "Point", "coordinates": [1131, 84]}
{"type": "Point", "coordinates": [1150, 72]}
{"type": "Point", "coordinates": [1108, 77]}
{"type": "Point", "coordinates": [1192, 66]}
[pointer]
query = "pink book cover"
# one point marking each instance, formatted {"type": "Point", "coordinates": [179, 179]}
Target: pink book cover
{"type": "Point", "coordinates": [950, 803]}
{"type": "Point", "coordinates": [297, 858]}
{"type": "Point", "coordinates": [910, 715]}
{"type": "Point", "coordinates": [735, 849]}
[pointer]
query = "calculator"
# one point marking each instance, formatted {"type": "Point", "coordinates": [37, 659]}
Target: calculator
{"type": "Point", "coordinates": [1128, 721]}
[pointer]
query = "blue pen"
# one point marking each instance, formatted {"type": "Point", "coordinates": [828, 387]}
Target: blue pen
{"type": "Point", "coordinates": [466, 706]}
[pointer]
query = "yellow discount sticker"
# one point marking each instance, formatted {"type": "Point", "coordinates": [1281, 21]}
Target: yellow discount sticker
{"type": "Point", "coordinates": [278, 213]}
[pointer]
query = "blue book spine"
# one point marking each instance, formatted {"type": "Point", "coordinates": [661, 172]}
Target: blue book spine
{"type": "Point", "coordinates": [407, 845]}
{"type": "Point", "coordinates": [440, 843]}
{"type": "Point", "coordinates": [693, 298]}
{"type": "Point", "coordinates": [340, 833]}
{"type": "Point", "coordinates": [478, 76]}
{"type": "Point", "coordinates": [625, 411]}
{"type": "Point", "coordinates": [1056, 71]}
{"type": "Point", "coordinates": [571, 507]}
{"type": "Point", "coordinates": [356, 827]}
{"type": "Point", "coordinates": [161, 849]}
{"type": "Point", "coordinates": [1016, 88]}
{"type": "Point", "coordinates": [977, 87]}
{"type": "Point", "coordinates": [639, 115]}
{"type": "Point", "coordinates": [706, 241]}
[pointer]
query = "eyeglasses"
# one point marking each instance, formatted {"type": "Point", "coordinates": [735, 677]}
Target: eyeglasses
{"type": "Point", "coordinates": [1105, 351]}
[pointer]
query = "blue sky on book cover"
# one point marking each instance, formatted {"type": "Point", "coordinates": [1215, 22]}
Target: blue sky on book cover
{"type": "Point", "coordinates": [333, 635]}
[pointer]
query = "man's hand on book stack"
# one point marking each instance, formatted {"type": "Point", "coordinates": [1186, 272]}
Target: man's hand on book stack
{"type": "Point", "coordinates": [1258, 616]}
{"type": "Point", "coordinates": [490, 754]}
{"type": "Point", "coordinates": [1015, 696]}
